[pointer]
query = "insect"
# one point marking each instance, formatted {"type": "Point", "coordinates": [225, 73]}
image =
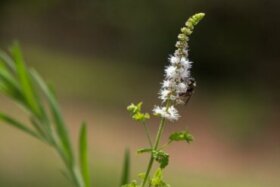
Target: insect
{"type": "Point", "coordinates": [190, 91]}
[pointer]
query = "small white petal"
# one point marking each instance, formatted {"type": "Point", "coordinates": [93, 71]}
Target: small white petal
{"type": "Point", "coordinates": [164, 94]}
{"type": "Point", "coordinates": [166, 84]}
{"type": "Point", "coordinates": [174, 60]}
{"type": "Point", "coordinates": [185, 74]}
{"type": "Point", "coordinates": [170, 71]}
{"type": "Point", "coordinates": [186, 63]}
{"type": "Point", "coordinates": [170, 114]}
{"type": "Point", "coordinates": [173, 114]}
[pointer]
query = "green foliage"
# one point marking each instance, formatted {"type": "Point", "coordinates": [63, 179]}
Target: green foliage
{"type": "Point", "coordinates": [135, 108]}
{"type": "Point", "coordinates": [132, 184]}
{"type": "Point", "coordinates": [84, 162]}
{"type": "Point", "coordinates": [157, 179]}
{"type": "Point", "coordinates": [28, 89]}
{"type": "Point", "coordinates": [144, 150]}
{"type": "Point", "coordinates": [136, 112]}
{"type": "Point", "coordinates": [181, 136]}
{"type": "Point", "coordinates": [126, 168]}
{"type": "Point", "coordinates": [161, 157]}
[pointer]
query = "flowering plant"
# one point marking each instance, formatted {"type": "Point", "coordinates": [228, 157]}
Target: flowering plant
{"type": "Point", "coordinates": [45, 121]}
{"type": "Point", "coordinates": [177, 88]}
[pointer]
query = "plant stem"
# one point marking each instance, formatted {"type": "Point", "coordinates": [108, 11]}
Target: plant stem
{"type": "Point", "coordinates": [148, 134]}
{"type": "Point", "coordinates": [159, 133]}
{"type": "Point", "coordinates": [74, 174]}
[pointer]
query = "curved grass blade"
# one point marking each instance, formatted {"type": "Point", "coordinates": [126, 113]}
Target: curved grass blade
{"type": "Point", "coordinates": [83, 148]}
{"type": "Point", "coordinates": [19, 125]}
{"type": "Point", "coordinates": [24, 78]}
{"type": "Point", "coordinates": [126, 168]}
{"type": "Point", "coordinates": [59, 123]}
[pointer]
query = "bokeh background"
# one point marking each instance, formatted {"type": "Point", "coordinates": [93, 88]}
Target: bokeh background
{"type": "Point", "coordinates": [103, 54]}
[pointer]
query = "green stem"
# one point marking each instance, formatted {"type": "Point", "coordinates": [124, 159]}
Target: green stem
{"type": "Point", "coordinates": [159, 133]}
{"type": "Point", "coordinates": [148, 134]}
{"type": "Point", "coordinates": [71, 167]}
{"type": "Point", "coordinates": [165, 145]}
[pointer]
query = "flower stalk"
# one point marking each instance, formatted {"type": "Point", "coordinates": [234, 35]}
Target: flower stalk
{"type": "Point", "coordinates": [177, 88]}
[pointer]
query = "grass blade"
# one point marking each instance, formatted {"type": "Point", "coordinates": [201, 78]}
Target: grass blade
{"type": "Point", "coordinates": [24, 78]}
{"type": "Point", "coordinates": [18, 125]}
{"type": "Point", "coordinates": [126, 168]}
{"type": "Point", "coordinates": [84, 163]}
{"type": "Point", "coordinates": [7, 60]}
{"type": "Point", "coordinates": [59, 123]}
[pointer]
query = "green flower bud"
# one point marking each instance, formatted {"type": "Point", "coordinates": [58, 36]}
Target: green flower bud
{"type": "Point", "coordinates": [182, 37]}
{"type": "Point", "coordinates": [189, 25]}
{"type": "Point", "coordinates": [194, 20]}
{"type": "Point", "coordinates": [186, 31]}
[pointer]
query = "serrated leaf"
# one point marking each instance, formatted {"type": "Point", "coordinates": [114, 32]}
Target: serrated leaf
{"type": "Point", "coordinates": [157, 179]}
{"type": "Point", "coordinates": [161, 157]}
{"type": "Point", "coordinates": [181, 136]}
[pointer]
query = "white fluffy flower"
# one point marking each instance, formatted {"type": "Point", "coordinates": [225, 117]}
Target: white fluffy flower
{"type": "Point", "coordinates": [176, 75]}
{"type": "Point", "coordinates": [171, 71]}
{"type": "Point", "coordinates": [186, 63]}
{"type": "Point", "coordinates": [174, 60]}
{"type": "Point", "coordinates": [171, 113]}
{"type": "Point", "coordinates": [164, 94]}
{"type": "Point", "coordinates": [185, 73]}
{"type": "Point", "coordinates": [167, 84]}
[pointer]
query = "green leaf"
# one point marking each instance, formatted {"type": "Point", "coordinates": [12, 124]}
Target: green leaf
{"type": "Point", "coordinates": [24, 79]}
{"type": "Point", "coordinates": [161, 157]}
{"type": "Point", "coordinates": [141, 117]}
{"type": "Point", "coordinates": [135, 108]}
{"type": "Point", "coordinates": [144, 150]}
{"type": "Point", "coordinates": [157, 179]}
{"type": "Point", "coordinates": [18, 125]}
{"type": "Point", "coordinates": [136, 113]}
{"type": "Point", "coordinates": [132, 184]}
{"type": "Point", "coordinates": [142, 175]}
{"type": "Point", "coordinates": [12, 88]}
{"type": "Point", "coordinates": [126, 168]}
{"type": "Point", "coordinates": [59, 122]}
{"type": "Point", "coordinates": [84, 163]}
{"type": "Point", "coordinates": [8, 61]}
{"type": "Point", "coordinates": [181, 136]}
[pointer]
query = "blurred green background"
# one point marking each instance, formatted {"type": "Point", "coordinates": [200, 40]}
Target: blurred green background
{"type": "Point", "coordinates": [103, 54]}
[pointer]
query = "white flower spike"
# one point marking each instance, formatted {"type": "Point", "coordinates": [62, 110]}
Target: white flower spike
{"type": "Point", "coordinates": [175, 86]}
